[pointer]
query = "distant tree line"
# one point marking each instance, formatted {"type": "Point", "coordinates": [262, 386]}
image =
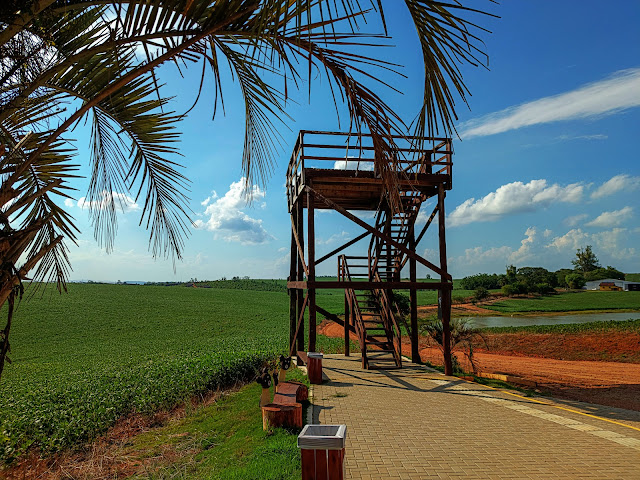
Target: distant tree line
{"type": "Point", "coordinates": [525, 280]}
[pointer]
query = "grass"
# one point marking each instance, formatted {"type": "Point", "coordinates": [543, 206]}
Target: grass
{"type": "Point", "coordinates": [220, 441]}
{"type": "Point", "coordinates": [83, 360]}
{"type": "Point", "coordinates": [590, 327]}
{"type": "Point", "coordinates": [570, 302]}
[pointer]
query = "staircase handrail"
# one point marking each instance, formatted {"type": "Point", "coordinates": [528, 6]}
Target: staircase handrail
{"type": "Point", "coordinates": [390, 320]}
{"type": "Point", "coordinates": [344, 274]}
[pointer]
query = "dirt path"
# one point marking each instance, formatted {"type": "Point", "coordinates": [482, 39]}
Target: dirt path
{"type": "Point", "coordinates": [615, 384]}
{"type": "Point", "coordinates": [606, 383]}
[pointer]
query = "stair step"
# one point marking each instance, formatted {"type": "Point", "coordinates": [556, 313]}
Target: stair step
{"type": "Point", "coordinates": [377, 338]}
{"type": "Point", "coordinates": [383, 346]}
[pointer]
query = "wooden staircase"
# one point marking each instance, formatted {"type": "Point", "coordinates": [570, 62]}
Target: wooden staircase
{"type": "Point", "coordinates": [373, 311]}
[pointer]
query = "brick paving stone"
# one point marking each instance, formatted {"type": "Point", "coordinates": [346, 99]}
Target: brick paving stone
{"type": "Point", "coordinates": [415, 423]}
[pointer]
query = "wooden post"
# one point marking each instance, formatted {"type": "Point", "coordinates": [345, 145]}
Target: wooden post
{"type": "Point", "coordinates": [415, 354]}
{"type": "Point", "coordinates": [346, 325]}
{"type": "Point", "coordinates": [293, 293]}
{"type": "Point", "coordinates": [445, 294]}
{"type": "Point", "coordinates": [311, 254]}
{"type": "Point", "coordinates": [387, 230]}
{"type": "Point", "coordinates": [300, 275]}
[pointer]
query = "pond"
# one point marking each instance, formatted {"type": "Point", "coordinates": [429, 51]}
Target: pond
{"type": "Point", "coordinates": [519, 321]}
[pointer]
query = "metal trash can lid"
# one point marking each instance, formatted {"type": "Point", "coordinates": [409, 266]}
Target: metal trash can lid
{"type": "Point", "coordinates": [315, 354]}
{"type": "Point", "coordinates": [322, 437]}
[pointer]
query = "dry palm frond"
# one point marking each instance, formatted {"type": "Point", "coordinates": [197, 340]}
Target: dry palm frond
{"type": "Point", "coordinates": [62, 61]}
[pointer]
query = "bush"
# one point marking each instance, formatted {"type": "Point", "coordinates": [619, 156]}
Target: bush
{"type": "Point", "coordinates": [403, 301]}
{"type": "Point", "coordinates": [522, 288]}
{"type": "Point", "coordinates": [561, 276]}
{"type": "Point", "coordinates": [602, 273]}
{"type": "Point", "coordinates": [480, 294]}
{"type": "Point", "coordinates": [485, 280]}
{"type": "Point", "coordinates": [509, 290]}
{"type": "Point", "coordinates": [575, 280]}
{"type": "Point", "coordinates": [544, 288]}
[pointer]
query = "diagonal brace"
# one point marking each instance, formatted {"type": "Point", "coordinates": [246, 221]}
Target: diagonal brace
{"type": "Point", "coordinates": [342, 247]}
{"type": "Point", "coordinates": [300, 319]}
{"type": "Point", "coordinates": [300, 251]}
{"type": "Point", "coordinates": [334, 318]}
{"type": "Point", "coordinates": [379, 234]}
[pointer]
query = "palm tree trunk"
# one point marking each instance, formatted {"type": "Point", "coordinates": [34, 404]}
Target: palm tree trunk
{"type": "Point", "coordinates": [4, 341]}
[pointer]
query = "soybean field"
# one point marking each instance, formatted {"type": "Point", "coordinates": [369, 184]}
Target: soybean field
{"type": "Point", "coordinates": [82, 360]}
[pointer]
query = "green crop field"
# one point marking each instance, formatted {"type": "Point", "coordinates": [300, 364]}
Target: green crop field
{"type": "Point", "coordinates": [564, 328]}
{"type": "Point", "coordinates": [570, 301]}
{"type": "Point", "coordinates": [84, 359]}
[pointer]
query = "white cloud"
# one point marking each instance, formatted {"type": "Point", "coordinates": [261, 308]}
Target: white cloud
{"type": "Point", "coordinates": [480, 255]}
{"type": "Point", "coordinates": [615, 185]}
{"type": "Point", "coordinates": [610, 241]}
{"type": "Point", "coordinates": [526, 245]}
{"type": "Point", "coordinates": [209, 199]}
{"type": "Point", "coordinates": [353, 165]}
{"type": "Point", "coordinates": [597, 136]}
{"type": "Point", "coordinates": [572, 240]}
{"type": "Point", "coordinates": [227, 219]}
{"type": "Point", "coordinates": [342, 236]}
{"type": "Point", "coordinates": [614, 94]}
{"type": "Point", "coordinates": [611, 219]}
{"type": "Point", "coordinates": [425, 212]}
{"type": "Point", "coordinates": [575, 219]}
{"type": "Point", "coordinates": [513, 198]}
{"type": "Point", "coordinates": [122, 201]}
{"type": "Point", "coordinates": [496, 258]}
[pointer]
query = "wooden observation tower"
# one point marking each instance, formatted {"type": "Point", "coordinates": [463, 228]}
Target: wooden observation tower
{"type": "Point", "coordinates": [332, 170]}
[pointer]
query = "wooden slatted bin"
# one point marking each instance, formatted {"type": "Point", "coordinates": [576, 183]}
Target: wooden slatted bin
{"type": "Point", "coordinates": [276, 415]}
{"type": "Point", "coordinates": [322, 449]}
{"type": "Point", "coordinates": [314, 367]}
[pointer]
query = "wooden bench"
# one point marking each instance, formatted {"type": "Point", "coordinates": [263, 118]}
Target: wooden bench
{"type": "Point", "coordinates": [286, 408]}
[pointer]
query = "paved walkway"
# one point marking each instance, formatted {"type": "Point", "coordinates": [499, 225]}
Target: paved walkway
{"type": "Point", "coordinates": [415, 423]}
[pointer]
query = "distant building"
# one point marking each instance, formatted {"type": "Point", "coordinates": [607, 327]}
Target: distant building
{"type": "Point", "coordinates": [612, 284]}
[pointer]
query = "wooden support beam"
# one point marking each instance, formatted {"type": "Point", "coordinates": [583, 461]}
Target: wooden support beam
{"type": "Point", "coordinates": [413, 297]}
{"type": "Point", "coordinates": [342, 247]}
{"type": "Point", "coordinates": [300, 322]}
{"type": "Point", "coordinates": [293, 295]}
{"type": "Point", "coordinates": [426, 225]}
{"type": "Point", "coordinates": [333, 284]}
{"type": "Point", "coordinates": [445, 294]}
{"type": "Point", "coordinates": [294, 231]}
{"type": "Point", "coordinates": [334, 318]}
{"type": "Point", "coordinates": [300, 274]}
{"type": "Point", "coordinates": [379, 234]}
{"type": "Point", "coordinates": [347, 343]}
{"type": "Point", "coordinates": [311, 273]}
{"type": "Point", "coordinates": [422, 232]}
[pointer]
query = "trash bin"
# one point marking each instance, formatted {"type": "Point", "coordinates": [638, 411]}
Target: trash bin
{"type": "Point", "coordinates": [322, 449]}
{"type": "Point", "coordinates": [314, 367]}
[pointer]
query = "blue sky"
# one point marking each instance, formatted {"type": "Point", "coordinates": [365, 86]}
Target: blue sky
{"type": "Point", "coordinates": [547, 161]}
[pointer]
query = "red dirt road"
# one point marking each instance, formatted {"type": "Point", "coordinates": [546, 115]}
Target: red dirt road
{"type": "Point", "coordinates": [614, 384]}
{"type": "Point", "coordinates": [605, 383]}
